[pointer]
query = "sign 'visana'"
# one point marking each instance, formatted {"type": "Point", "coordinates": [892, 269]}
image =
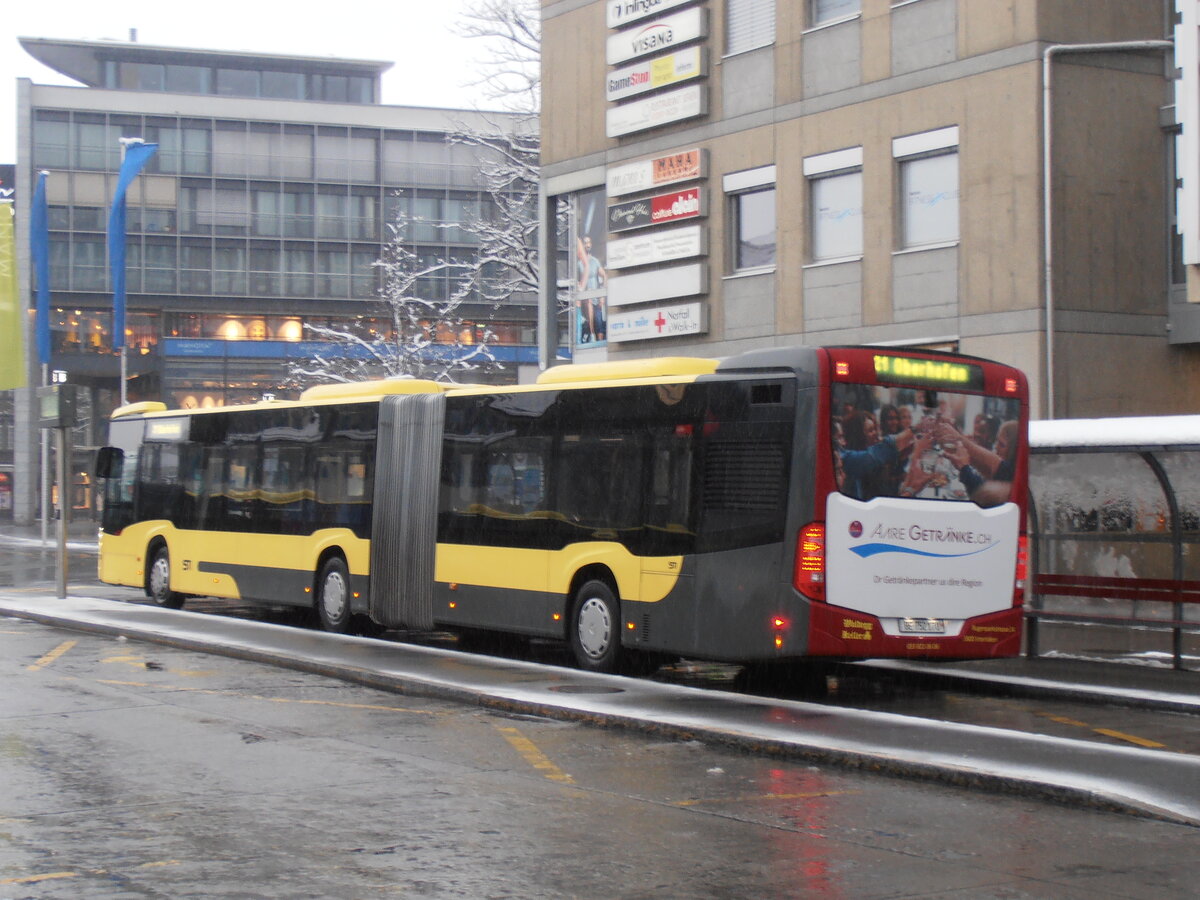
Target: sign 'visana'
{"type": "Point", "coordinates": [661, 34]}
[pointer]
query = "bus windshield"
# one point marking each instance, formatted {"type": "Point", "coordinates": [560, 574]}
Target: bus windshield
{"type": "Point", "coordinates": [925, 444]}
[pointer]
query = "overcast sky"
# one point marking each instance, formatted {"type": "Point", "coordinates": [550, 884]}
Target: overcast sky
{"type": "Point", "coordinates": [433, 67]}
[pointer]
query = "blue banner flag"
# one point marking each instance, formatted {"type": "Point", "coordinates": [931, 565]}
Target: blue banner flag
{"type": "Point", "coordinates": [39, 245]}
{"type": "Point", "coordinates": [137, 154]}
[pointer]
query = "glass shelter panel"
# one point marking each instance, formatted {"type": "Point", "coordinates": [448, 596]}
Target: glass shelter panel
{"type": "Point", "coordinates": [1183, 473]}
{"type": "Point", "coordinates": [1105, 515]}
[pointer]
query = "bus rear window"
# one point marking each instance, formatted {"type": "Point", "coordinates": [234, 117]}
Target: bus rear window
{"type": "Point", "coordinates": [924, 444]}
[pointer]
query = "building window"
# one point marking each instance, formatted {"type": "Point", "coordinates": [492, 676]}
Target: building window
{"type": "Point", "coordinates": [749, 24]}
{"type": "Point", "coordinates": [197, 151]}
{"type": "Point", "coordinates": [333, 273]}
{"type": "Point", "coordinates": [283, 85]}
{"type": "Point", "coordinates": [143, 76]}
{"type": "Point", "coordinates": [51, 140]}
{"type": "Point", "coordinates": [87, 265]}
{"type": "Point", "coordinates": [835, 204]}
{"type": "Point", "coordinates": [751, 195]}
{"type": "Point", "coordinates": [823, 11]}
{"type": "Point", "coordinates": [189, 79]}
{"type": "Point", "coordinates": [237, 82]}
{"type": "Point", "coordinates": [195, 274]}
{"type": "Point", "coordinates": [927, 175]}
{"type": "Point", "coordinates": [160, 265]}
{"type": "Point", "coordinates": [298, 271]}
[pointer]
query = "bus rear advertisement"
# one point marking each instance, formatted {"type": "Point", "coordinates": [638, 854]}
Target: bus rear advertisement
{"type": "Point", "coordinates": [777, 506]}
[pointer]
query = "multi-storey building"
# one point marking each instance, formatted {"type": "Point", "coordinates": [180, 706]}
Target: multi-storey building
{"type": "Point", "coordinates": [263, 212]}
{"type": "Point", "coordinates": [993, 177]}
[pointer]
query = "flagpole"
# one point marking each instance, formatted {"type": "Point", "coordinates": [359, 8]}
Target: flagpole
{"type": "Point", "coordinates": [131, 165]}
{"type": "Point", "coordinates": [39, 245]}
{"type": "Point", "coordinates": [125, 142]}
{"type": "Point", "coordinates": [46, 504]}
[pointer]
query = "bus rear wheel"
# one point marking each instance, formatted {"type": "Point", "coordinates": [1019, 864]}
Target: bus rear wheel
{"type": "Point", "coordinates": [158, 584]}
{"type": "Point", "coordinates": [333, 596]}
{"type": "Point", "coordinates": [596, 627]}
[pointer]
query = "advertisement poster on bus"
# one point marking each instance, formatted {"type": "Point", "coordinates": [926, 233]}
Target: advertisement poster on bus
{"type": "Point", "coordinates": [923, 523]}
{"type": "Point", "coordinates": [590, 287]}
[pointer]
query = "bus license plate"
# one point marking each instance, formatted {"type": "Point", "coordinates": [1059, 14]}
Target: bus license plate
{"type": "Point", "coordinates": [923, 626]}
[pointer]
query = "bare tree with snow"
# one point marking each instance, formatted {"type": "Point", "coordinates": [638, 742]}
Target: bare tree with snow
{"type": "Point", "coordinates": [429, 337]}
{"type": "Point", "coordinates": [503, 268]}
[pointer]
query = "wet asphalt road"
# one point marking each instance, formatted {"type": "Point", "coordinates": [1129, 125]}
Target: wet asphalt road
{"type": "Point", "coordinates": [27, 564]}
{"type": "Point", "coordinates": [134, 770]}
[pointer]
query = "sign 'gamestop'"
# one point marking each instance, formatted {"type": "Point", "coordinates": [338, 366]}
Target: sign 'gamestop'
{"type": "Point", "coordinates": [660, 34]}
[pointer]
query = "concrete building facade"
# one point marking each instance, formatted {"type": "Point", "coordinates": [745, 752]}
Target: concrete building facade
{"type": "Point", "coordinates": [868, 171]}
{"type": "Point", "coordinates": [263, 212]}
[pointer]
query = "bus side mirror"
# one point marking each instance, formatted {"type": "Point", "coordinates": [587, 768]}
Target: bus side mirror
{"type": "Point", "coordinates": [109, 462]}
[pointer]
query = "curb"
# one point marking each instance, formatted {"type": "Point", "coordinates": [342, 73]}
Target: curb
{"type": "Point", "coordinates": [874, 762]}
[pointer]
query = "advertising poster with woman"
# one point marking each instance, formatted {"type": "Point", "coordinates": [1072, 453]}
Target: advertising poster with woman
{"type": "Point", "coordinates": [590, 278]}
{"type": "Point", "coordinates": [940, 445]}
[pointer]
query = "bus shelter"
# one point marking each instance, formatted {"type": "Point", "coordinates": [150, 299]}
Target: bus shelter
{"type": "Point", "coordinates": [1115, 527]}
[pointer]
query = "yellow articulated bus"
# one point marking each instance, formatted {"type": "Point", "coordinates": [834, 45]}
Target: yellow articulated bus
{"type": "Point", "coordinates": [662, 507]}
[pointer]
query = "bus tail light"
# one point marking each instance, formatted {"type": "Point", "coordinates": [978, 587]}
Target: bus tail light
{"type": "Point", "coordinates": [1022, 573]}
{"type": "Point", "coordinates": [809, 577]}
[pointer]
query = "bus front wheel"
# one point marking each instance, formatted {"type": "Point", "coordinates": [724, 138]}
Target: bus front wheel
{"type": "Point", "coordinates": [158, 585]}
{"type": "Point", "coordinates": [333, 596]}
{"type": "Point", "coordinates": [596, 627]}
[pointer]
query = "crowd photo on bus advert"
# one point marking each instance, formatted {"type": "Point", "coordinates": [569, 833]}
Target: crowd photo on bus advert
{"type": "Point", "coordinates": [911, 442]}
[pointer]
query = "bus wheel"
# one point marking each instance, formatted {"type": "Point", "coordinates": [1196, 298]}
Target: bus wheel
{"type": "Point", "coordinates": [596, 628]}
{"type": "Point", "coordinates": [158, 585]}
{"type": "Point", "coordinates": [333, 596]}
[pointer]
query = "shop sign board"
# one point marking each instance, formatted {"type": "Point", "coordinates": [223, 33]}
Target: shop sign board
{"type": "Point", "coordinates": [655, 36]}
{"type": "Point", "coordinates": [652, 74]}
{"type": "Point", "coordinates": [661, 109]}
{"type": "Point", "coordinates": [656, 247]}
{"type": "Point", "coordinates": [656, 285]}
{"type": "Point", "coordinates": [625, 12]}
{"type": "Point", "coordinates": [658, 322]}
{"type": "Point", "coordinates": [661, 209]}
{"type": "Point", "coordinates": [647, 174]}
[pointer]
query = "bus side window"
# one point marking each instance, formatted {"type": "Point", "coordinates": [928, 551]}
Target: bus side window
{"type": "Point", "coordinates": [159, 488]}
{"type": "Point", "coordinates": [501, 485]}
{"type": "Point", "coordinates": [671, 483]}
{"type": "Point", "coordinates": [283, 489]}
{"type": "Point", "coordinates": [211, 514]}
{"type": "Point", "coordinates": [241, 490]}
{"type": "Point", "coordinates": [343, 489]}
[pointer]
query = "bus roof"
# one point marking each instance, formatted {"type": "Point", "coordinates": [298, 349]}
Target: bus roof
{"type": "Point", "coordinates": [362, 390]}
{"type": "Point", "coordinates": [1132, 433]}
{"type": "Point", "coordinates": [662, 367]}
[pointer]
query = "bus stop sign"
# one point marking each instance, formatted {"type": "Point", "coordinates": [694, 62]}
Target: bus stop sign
{"type": "Point", "coordinates": [58, 405]}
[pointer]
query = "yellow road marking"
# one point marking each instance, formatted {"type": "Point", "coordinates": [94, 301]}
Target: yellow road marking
{"type": "Point", "coordinates": [755, 797]}
{"type": "Point", "coordinates": [34, 879]}
{"type": "Point", "coordinates": [533, 755]}
{"type": "Point", "coordinates": [1107, 732]}
{"type": "Point", "coordinates": [216, 693]}
{"type": "Point", "coordinates": [1121, 736]}
{"type": "Point", "coordinates": [1063, 720]}
{"type": "Point", "coordinates": [52, 655]}
{"type": "Point", "coordinates": [51, 876]}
